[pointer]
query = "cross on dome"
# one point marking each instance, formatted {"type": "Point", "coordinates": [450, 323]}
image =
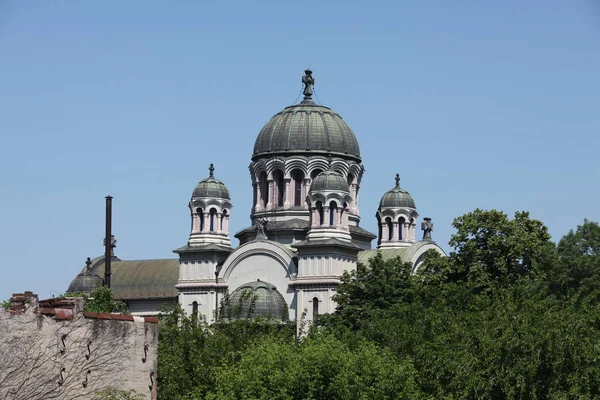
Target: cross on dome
{"type": "Point", "coordinates": [211, 170]}
{"type": "Point", "coordinates": [397, 180]}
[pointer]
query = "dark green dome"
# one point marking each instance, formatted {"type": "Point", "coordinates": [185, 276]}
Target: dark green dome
{"type": "Point", "coordinates": [306, 128]}
{"type": "Point", "coordinates": [85, 282]}
{"type": "Point", "coordinates": [268, 302]}
{"type": "Point", "coordinates": [397, 197]}
{"type": "Point", "coordinates": [331, 181]}
{"type": "Point", "coordinates": [211, 187]}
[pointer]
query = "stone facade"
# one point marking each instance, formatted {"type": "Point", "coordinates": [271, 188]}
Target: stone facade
{"type": "Point", "coordinates": [51, 349]}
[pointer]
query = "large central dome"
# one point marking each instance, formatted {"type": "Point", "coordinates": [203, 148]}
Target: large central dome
{"type": "Point", "coordinates": [306, 128]}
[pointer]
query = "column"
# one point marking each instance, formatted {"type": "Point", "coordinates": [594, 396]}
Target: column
{"type": "Point", "coordinates": [271, 196]}
{"type": "Point", "coordinates": [315, 217]}
{"type": "Point", "coordinates": [218, 222]}
{"type": "Point", "coordinates": [353, 192]}
{"type": "Point", "coordinates": [356, 212]}
{"type": "Point", "coordinates": [195, 222]}
{"type": "Point", "coordinates": [206, 216]}
{"type": "Point", "coordinates": [257, 197]}
{"type": "Point", "coordinates": [305, 188]}
{"type": "Point", "coordinates": [326, 215]}
{"type": "Point", "coordinates": [395, 231]}
{"type": "Point", "coordinates": [226, 224]}
{"type": "Point", "coordinates": [287, 195]}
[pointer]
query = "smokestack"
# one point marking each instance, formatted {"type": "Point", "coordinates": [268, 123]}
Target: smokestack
{"type": "Point", "coordinates": [108, 242]}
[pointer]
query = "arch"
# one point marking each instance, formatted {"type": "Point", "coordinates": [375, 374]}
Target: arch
{"type": "Point", "coordinates": [315, 172]}
{"type": "Point", "coordinates": [350, 179]}
{"type": "Point", "coordinates": [195, 310]}
{"type": "Point", "coordinates": [298, 179]}
{"type": "Point", "coordinates": [278, 187]}
{"type": "Point", "coordinates": [340, 166]}
{"type": "Point", "coordinates": [401, 222]}
{"type": "Point", "coordinates": [275, 164]}
{"type": "Point", "coordinates": [380, 229]}
{"type": "Point", "coordinates": [321, 163]}
{"type": "Point", "coordinates": [212, 219]}
{"type": "Point", "coordinates": [390, 227]}
{"type": "Point", "coordinates": [332, 213]}
{"type": "Point", "coordinates": [320, 211]}
{"type": "Point", "coordinates": [264, 188]}
{"type": "Point", "coordinates": [200, 214]}
{"type": "Point", "coordinates": [299, 163]}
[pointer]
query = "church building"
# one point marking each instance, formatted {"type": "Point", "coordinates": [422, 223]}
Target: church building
{"type": "Point", "coordinates": [304, 232]}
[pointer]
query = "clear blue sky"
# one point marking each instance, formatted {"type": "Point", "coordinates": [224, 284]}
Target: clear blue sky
{"type": "Point", "coordinates": [489, 104]}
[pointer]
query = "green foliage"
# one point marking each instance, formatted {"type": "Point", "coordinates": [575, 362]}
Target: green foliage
{"type": "Point", "coordinates": [116, 394]}
{"type": "Point", "coordinates": [321, 367]}
{"type": "Point", "coordinates": [579, 254]}
{"type": "Point", "coordinates": [493, 251]}
{"type": "Point", "coordinates": [100, 300]}
{"type": "Point", "coordinates": [508, 315]}
{"type": "Point", "coordinates": [190, 351]}
{"type": "Point", "coordinates": [6, 304]}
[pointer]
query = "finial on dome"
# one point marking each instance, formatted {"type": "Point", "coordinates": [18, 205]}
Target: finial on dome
{"type": "Point", "coordinates": [308, 81]}
{"type": "Point", "coordinates": [397, 180]}
{"type": "Point", "coordinates": [211, 169]}
{"type": "Point", "coordinates": [88, 263]}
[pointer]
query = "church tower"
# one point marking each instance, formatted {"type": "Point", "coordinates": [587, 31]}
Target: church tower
{"type": "Point", "coordinates": [328, 250]}
{"type": "Point", "coordinates": [293, 147]}
{"type": "Point", "coordinates": [396, 218]}
{"type": "Point", "coordinates": [208, 246]}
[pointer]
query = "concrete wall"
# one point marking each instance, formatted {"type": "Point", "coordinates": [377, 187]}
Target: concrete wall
{"type": "Point", "coordinates": [53, 350]}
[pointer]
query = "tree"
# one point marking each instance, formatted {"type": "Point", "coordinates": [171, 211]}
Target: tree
{"type": "Point", "coordinates": [371, 288]}
{"type": "Point", "coordinates": [492, 251]}
{"type": "Point", "coordinates": [579, 254]}
{"type": "Point", "coordinates": [100, 300]}
{"type": "Point", "coordinates": [320, 367]}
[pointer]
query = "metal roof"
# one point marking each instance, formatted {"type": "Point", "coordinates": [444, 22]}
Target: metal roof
{"type": "Point", "coordinates": [306, 128]}
{"type": "Point", "coordinates": [141, 279]}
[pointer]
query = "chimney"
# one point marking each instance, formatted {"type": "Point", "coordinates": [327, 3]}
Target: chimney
{"type": "Point", "coordinates": [108, 242]}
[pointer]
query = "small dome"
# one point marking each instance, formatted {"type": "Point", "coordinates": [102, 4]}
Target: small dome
{"type": "Point", "coordinates": [268, 301]}
{"type": "Point", "coordinates": [397, 197]}
{"type": "Point", "coordinates": [211, 187]}
{"type": "Point", "coordinates": [86, 281]}
{"type": "Point", "coordinates": [330, 181]}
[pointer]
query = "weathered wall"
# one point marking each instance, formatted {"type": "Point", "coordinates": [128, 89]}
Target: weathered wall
{"type": "Point", "coordinates": [53, 350]}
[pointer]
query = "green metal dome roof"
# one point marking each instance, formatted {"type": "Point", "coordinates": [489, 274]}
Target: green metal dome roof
{"type": "Point", "coordinates": [397, 197]}
{"type": "Point", "coordinates": [331, 181]}
{"type": "Point", "coordinates": [306, 128]}
{"type": "Point", "coordinates": [268, 302]}
{"type": "Point", "coordinates": [86, 281]}
{"type": "Point", "coordinates": [211, 187]}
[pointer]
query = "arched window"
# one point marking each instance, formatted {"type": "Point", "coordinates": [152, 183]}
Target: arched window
{"type": "Point", "coordinates": [320, 210]}
{"type": "Point", "coordinates": [332, 212]}
{"type": "Point", "coordinates": [315, 308]}
{"type": "Point", "coordinates": [380, 236]}
{"type": "Point", "coordinates": [213, 219]}
{"type": "Point", "coordinates": [298, 177]}
{"type": "Point", "coordinates": [264, 188]}
{"type": "Point", "coordinates": [194, 310]}
{"type": "Point", "coordinates": [350, 179]}
{"type": "Point", "coordinates": [401, 222]}
{"type": "Point", "coordinates": [223, 218]}
{"type": "Point", "coordinates": [390, 226]}
{"type": "Point", "coordinates": [200, 214]}
{"type": "Point", "coordinates": [280, 188]}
